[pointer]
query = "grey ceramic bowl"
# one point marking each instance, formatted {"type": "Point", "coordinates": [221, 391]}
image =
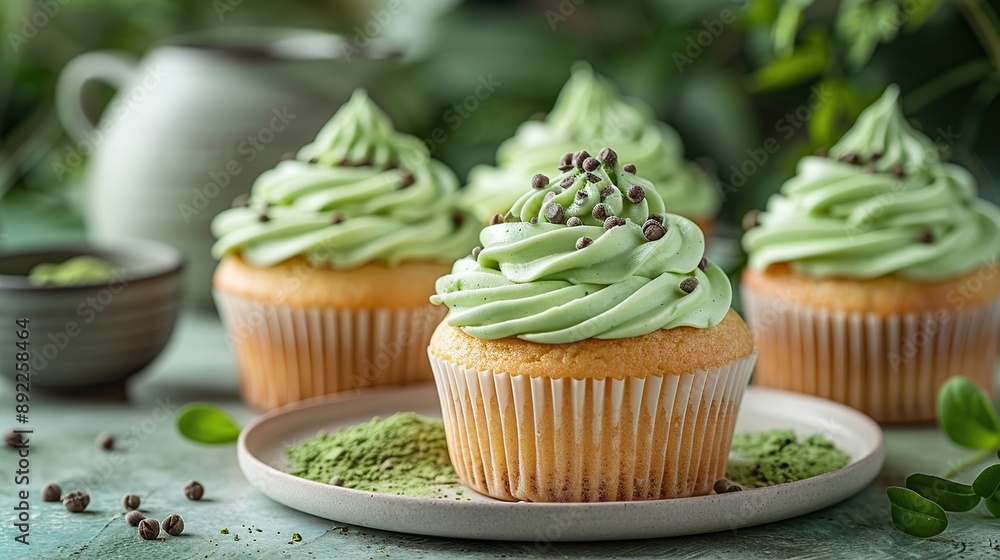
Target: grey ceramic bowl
{"type": "Point", "coordinates": [93, 334]}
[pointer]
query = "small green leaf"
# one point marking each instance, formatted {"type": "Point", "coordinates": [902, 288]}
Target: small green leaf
{"type": "Point", "coordinates": [993, 504]}
{"type": "Point", "coordinates": [950, 495]}
{"type": "Point", "coordinates": [966, 415]}
{"type": "Point", "coordinates": [988, 482]}
{"type": "Point", "coordinates": [914, 514]}
{"type": "Point", "coordinates": [206, 423]}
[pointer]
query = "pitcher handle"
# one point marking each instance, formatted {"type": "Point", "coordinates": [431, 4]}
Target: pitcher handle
{"type": "Point", "coordinates": [111, 67]}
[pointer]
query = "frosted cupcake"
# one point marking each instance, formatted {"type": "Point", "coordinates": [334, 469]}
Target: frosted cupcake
{"type": "Point", "coordinates": [327, 268]}
{"type": "Point", "coordinates": [590, 353]}
{"type": "Point", "coordinates": [591, 113]}
{"type": "Point", "coordinates": [872, 275]}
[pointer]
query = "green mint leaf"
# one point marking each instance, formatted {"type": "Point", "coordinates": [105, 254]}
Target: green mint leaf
{"type": "Point", "coordinates": [914, 514]}
{"type": "Point", "coordinates": [993, 504]}
{"type": "Point", "coordinates": [950, 495]}
{"type": "Point", "coordinates": [988, 482]}
{"type": "Point", "coordinates": [206, 423]}
{"type": "Point", "coordinates": [966, 415]}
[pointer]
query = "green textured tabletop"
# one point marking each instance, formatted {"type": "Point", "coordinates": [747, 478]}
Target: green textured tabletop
{"type": "Point", "coordinates": [152, 461]}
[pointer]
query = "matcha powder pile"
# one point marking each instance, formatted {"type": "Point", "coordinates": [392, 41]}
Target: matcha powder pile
{"type": "Point", "coordinates": [777, 457]}
{"type": "Point", "coordinates": [403, 454]}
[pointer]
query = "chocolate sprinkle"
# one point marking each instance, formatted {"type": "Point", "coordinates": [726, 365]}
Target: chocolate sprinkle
{"type": "Point", "coordinates": [852, 159]}
{"type": "Point", "coordinates": [607, 191]}
{"type": "Point", "coordinates": [593, 178]}
{"type": "Point", "coordinates": [612, 222]}
{"type": "Point", "coordinates": [656, 218]}
{"type": "Point", "coordinates": [496, 219]}
{"type": "Point", "coordinates": [336, 219]}
{"type": "Point", "coordinates": [897, 170]}
{"type": "Point", "coordinates": [407, 181]}
{"type": "Point", "coordinates": [567, 182]}
{"type": "Point", "coordinates": [750, 219]}
{"type": "Point", "coordinates": [475, 252]}
{"type": "Point", "coordinates": [635, 194]}
{"type": "Point", "coordinates": [533, 220]}
{"type": "Point", "coordinates": [574, 221]}
{"type": "Point", "coordinates": [314, 160]}
{"type": "Point", "coordinates": [629, 168]}
{"type": "Point", "coordinates": [554, 213]}
{"type": "Point", "coordinates": [584, 242]}
{"type": "Point", "coordinates": [539, 181]}
{"type": "Point", "coordinates": [601, 211]}
{"type": "Point", "coordinates": [653, 230]}
{"type": "Point", "coordinates": [566, 162]}
{"type": "Point", "coordinates": [724, 487]}
{"type": "Point", "coordinates": [590, 164]}
{"type": "Point", "coordinates": [927, 236]}
{"type": "Point", "coordinates": [579, 157]}
{"type": "Point", "coordinates": [548, 196]}
{"type": "Point", "coordinates": [689, 284]}
{"type": "Point", "coordinates": [702, 264]}
{"type": "Point", "coordinates": [287, 156]}
{"type": "Point", "coordinates": [876, 156]}
{"type": "Point", "coordinates": [581, 194]}
{"type": "Point", "coordinates": [263, 218]}
{"type": "Point", "coordinates": [608, 156]}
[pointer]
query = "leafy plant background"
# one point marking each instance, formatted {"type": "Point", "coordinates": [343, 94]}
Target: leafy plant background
{"type": "Point", "coordinates": [945, 54]}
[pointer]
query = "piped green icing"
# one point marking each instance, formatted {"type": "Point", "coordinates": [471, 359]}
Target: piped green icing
{"type": "Point", "coordinates": [530, 281]}
{"type": "Point", "coordinates": [361, 192]}
{"type": "Point", "coordinates": [883, 203]}
{"type": "Point", "coordinates": [591, 113]}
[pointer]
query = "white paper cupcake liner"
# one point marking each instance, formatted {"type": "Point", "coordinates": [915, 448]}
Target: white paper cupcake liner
{"type": "Point", "coordinates": [517, 437]}
{"type": "Point", "coordinates": [888, 366]}
{"type": "Point", "coordinates": [286, 354]}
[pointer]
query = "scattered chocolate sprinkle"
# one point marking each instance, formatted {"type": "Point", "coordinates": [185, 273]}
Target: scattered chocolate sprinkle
{"type": "Point", "coordinates": [336, 219]}
{"type": "Point", "coordinates": [458, 219]}
{"type": "Point", "coordinates": [533, 220]}
{"type": "Point", "coordinates": [876, 156]}
{"type": "Point", "coordinates": [590, 164]}
{"type": "Point", "coordinates": [853, 159]}
{"type": "Point", "coordinates": [407, 181]}
{"type": "Point", "coordinates": [475, 252]}
{"type": "Point", "coordinates": [608, 156]}
{"type": "Point", "coordinates": [689, 284]}
{"type": "Point", "coordinates": [612, 222]}
{"type": "Point", "coordinates": [750, 219]}
{"type": "Point", "coordinates": [314, 160]}
{"type": "Point", "coordinates": [581, 194]}
{"type": "Point", "coordinates": [583, 242]}
{"type": "Point", "coordinates": [287, 156]}
{"type": "Point", "coordinates": [566, 162]}
{"type": "Point", "coordinates": [496, 219]}
{"type": "Point", "coordinates": [574, 221]}
{"type": "Point", "coordinates": [635, 194]}
{"type": "Point", "coordinates": [539, 181]}
{"type": "Point", "coordinates": [579, 157]}
{"type": "Point", "coordinates": [822, 152]}
{"type": "Point", "coordinates": [263, 217]}
{"type": "Point", "coordinates": [702, 264]}
{"type": "Point", "coordinates": [554, 213]}
{"type": "Point", "coordinates": [567, 182]}
{"type": "Point", "coordinates": [241, 201]}
{"type": "Point", "coordinates": [606, 192]}
{"type": "Point", "coordinates": [548, 196]}
{"type": "Point", "coordinates": [927, 236]}
{"type": "Point", "coordinates": [653, 230]}
{"type": "Point", "coordinates": [898, 170]}
{"type": "Point", "coordinates": [601, 211]}
{"type": "Point", "coordinates": [655, 218]}
{"type": "Point", "coordinates": [629, 168]}
{"type": "Point", "coordinates": [724, 487]}
{"type": "Point", "coordinates": [593, 178]}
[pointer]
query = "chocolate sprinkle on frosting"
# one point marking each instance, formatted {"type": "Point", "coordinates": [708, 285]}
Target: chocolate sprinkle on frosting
{"type": "Point", "coordinates": [852, 159]}
{"type": "Point", "coordinates": [689, 284]}
{"type": "Point", "coordinates": [590, 164]}
{"type": "Point", "coordinates": [606, 192]}
{"type": "Point", "coordinates": [574, 221]}
{"type": "Point", "coordinates": [554, 213]}
{"type": "Point", "coordinates": [567, 182]}
{"type": "Point", "coordinates": [533, 220]}
{"type": "Point", "coordinates": [475, 252]}
{"type": "Point", "coordinates": [336, 219]}
{"type": "Point", "coordinates": [927, 236]}
{"type": "Point", "coordinates": [897, 170]}
{"type": "Point", "coordinates": [566, 162]}
{"type": "Point", "coordinates": [263, 217]}
{"type": "Point", "coordinates": [584, 242]}
{"type": "Point", "coordinates": [655, 218]}
{"type": "Point", "coordinates": [876, 156]}
{"type": "Point", "coordinates": [653, 230]}
{"type": "Point", "coordinates": [496, 219]}
{"type": "Point", "coordinates": [613, 222]}
{"type": "Point", "coordinates": [539, 181]}
{"type": "Point", "coordinates": [601, 211]}
{"type": "Point", "coordinates": [579, 157]}
{"type": "Point", "coordinates": [407, 181]}
{"type": "Point", "coordinates": [314, 160]}
{"type": "Point", "coordinates": [750, 219]}
{"type": "Point", "coordinates": [608, 156]}
{"type": "Point", "coordinates": [593, 178]}
{"type": "Point", "coordinates": [702, 264]}
{"type": "Point", "coordinates": [581, 194]}
{"type": "Point", "coordinates": [548, 196]}
{"type": "Point", "coordinates": [635, 194]}
{"type": "Point", "coordinates": [629, 168]}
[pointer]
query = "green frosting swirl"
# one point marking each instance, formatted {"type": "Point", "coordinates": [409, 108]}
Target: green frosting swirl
{"type": "Point", "coordinates": [530, 279]}
{"type": "Point", "coordinates": [361, 192]}
{"type": "Point", "coordinates": [882, 204]}
{"type": "Point", "coordinates": [590, 112]}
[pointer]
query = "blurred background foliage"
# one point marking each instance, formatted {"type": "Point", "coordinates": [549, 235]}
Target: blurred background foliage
{"type": "Point", "coordinates": [728, 74]}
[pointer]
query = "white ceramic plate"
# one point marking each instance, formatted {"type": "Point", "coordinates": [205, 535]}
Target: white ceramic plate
{"type": "Point", "coordinates": [261, 458]}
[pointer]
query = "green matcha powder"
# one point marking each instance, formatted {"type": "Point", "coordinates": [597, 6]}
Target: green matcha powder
{"type": "Point", "coordinates": [403, 454]}
{"type": "Point", "coordinates": [778, 456]}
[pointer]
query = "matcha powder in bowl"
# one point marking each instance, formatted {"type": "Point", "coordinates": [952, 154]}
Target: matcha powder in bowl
{"type": "Point", "coordinates": [403, 454]}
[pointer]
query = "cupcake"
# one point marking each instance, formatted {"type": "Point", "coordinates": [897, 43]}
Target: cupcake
{"type": "Point", "coordinates": [591, 113]}
{"type": "Point", "coordinates": [326, 269]}
{"type": "Point", "coordinates": [872, 275]}
{"type": "Point", "coordinates": [590, 353]}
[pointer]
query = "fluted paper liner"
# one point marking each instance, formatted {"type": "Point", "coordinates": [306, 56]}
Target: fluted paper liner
{"type": "Point", "coordinates": [286, 354]}
{"type": "Point", "coordinates": [887, 366]}
{"type": "Point", "coordinates": [515, 437]}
